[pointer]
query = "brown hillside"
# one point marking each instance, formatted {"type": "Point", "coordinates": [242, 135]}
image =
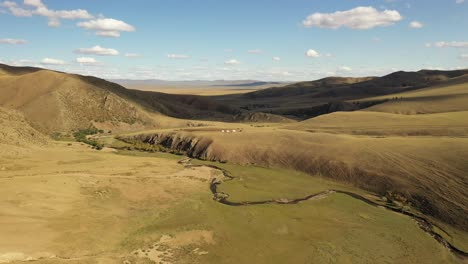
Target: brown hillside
{"type": "Point", "coordinates": [53, 101]}
{"type": "Point", "coordinates": [15, 131]}
{"type": "Point", "coordinates": [429, 171]}
{"type": "Point", "coordinates": [309, 99]}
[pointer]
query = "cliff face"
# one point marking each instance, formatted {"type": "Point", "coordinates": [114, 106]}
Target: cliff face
{"type": "Point", "coordinates": [192, 146]}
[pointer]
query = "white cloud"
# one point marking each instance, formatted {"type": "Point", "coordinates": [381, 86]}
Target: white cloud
{"type": "Point", "coordinates": [35, 3]}
{"type": "Point", "coordinates": [448, 44]}
{"type": "Point", "coordinates": [255, 51]}
{"type": "Point", "coordinates": [232, 62]}
{"type": "Point", "coordinates": [276, 58]}
{"type": "Point", "coordinates": [20, 12]}
{"type": "Point", "coordinates": [107, 27]}
{"type": "Point", "coordinates": [98, 50]}
{"type": "Point", "coordinates": [108, 34]}
{"type": "Point", "coordinates": [345, 68]}
{"type": "Point", "coordinates": [8, 4]}
{"type": "Point", "coordinates": [177, 56]}
{"type": "Point", "coordinates": [86, 60]}
{"type": "Point", "coordinates": [463, 56]}
{"type": "Point", "coordinates": [49, 61]}
{"type": "Point", "coordinates": [356, 18]}
{"type": "Point", "coordinates": [133, 55]}
{"type": "Point", "coordinates": [312, 53]}
{"type": "Point", "coordinates": [228, 50]}
{"type": "Point", "coordinates": [37, 7]}
{"type": "Point", "coordinates": [12, 41]}
{"type": "Point", "coordinates": [416, 24]}
{"type": "Point", "coordinates": [15, 10]}
{"type": "Point", "coordinates": [459, 1]}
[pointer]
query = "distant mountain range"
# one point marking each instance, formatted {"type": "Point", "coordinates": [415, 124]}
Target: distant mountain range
{"type": "Point", "coordinates": [196, 83]}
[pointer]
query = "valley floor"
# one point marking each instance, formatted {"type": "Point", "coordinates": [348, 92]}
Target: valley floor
{"type": "Point", "coordinates": [68, 203]}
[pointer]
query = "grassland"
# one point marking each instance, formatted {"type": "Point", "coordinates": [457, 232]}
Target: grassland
{"type": "Point", "coordinates": [69, 195]}
{"type": "Point", "coordinates": [119, 205]}
{"type": "Point", "coordinates": [203, 91]}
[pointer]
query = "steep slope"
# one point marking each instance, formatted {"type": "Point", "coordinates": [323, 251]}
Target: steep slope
{"type": "Point", "coordinates": [179, 106]}
{"type": "Point", "coordinates": [16, 134]}
{"type": "Point", "coordinates": [53, 101]}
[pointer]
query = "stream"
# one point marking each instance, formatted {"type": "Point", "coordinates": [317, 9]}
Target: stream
{"type": "Point", "coordinates": [223, 198]}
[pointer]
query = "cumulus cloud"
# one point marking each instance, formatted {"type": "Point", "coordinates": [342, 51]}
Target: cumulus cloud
{"type": "Point", "coordinates": [357, 18]}
{"type": "Point", "coordinates": [177, 56]}
{"type": "Point", "coordinates": [276, 58]}
{"type": "Point", "coordinates": [37, 7]}
{"type": "Point", "coordinates": [86, 61]}
{"type": "Point", "coordinates": [312, 53]}
{"type": "Point", "coordinates": [12, 41]}
{"type": "Point", "coordinates": [448, 44]}
{"type": "Point", "coordinates": [107, 27]}
{"type": "Point", "coordinates": [232, 62]}
{"type": "Point", "coordinates": [255, 51]}
{"type": "Point", "coordinates": [98, 50]}
{"type": "Point", "coordinates": [416, 24]}
{"type": "Point", "coordinates": [49, 61]}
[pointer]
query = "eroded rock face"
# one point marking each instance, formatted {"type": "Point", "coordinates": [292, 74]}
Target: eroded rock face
{"type": "Point", "coordinates": [192, 146]}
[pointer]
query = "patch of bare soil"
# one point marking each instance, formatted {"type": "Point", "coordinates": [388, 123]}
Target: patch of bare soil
{"type": "Point", "coordinates": [165, 250]}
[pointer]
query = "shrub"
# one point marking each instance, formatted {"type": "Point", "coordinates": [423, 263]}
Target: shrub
{"type": "Point", "coordinates": [82, 136]}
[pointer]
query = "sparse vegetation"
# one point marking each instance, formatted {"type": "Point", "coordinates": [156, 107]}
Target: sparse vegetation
{"type": "Point", "coordinates": [82, 136]}
{"type": "Point", "coordinates": [409, 163]}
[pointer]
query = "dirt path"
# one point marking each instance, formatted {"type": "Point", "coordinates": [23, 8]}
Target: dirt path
{"type": "Point", "coordinates": [223, 198]}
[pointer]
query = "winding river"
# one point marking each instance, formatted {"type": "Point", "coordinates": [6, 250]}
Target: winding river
{"type": "Point", "coordinates": [223, 198]}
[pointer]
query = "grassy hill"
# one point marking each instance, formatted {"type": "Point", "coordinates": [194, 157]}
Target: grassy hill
{"type": "Point", "coordinates": [53, 101]}
{"type": "Point", "coordinates": [388, 124]}
{"type": "Point", "coordinates": [419, 154]}
{"type": "Point", "coordinates": [16, 134]}
{"type": "Point", "coordinates": [59, 102]}
{"type": "Point", "coordinates": [309, 99]}
{"type": "Point", "coordinates": [447, 96]}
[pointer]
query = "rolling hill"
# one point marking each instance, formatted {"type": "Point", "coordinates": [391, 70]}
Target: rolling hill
{"type": "Point", "coordinates": [309, 99]}
{"type": "Point", "coordinates": [59, 102]}
{"type": "Point", "coordinates": [412, 142]}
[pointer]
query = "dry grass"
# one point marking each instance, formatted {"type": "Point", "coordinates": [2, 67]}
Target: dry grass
{"type": "Point", "coordinates": [387, 124]}
{"type": "Point", "coordinates": [446, 97]}
{"type": "Point", "coordinates": [16, 132]}
{"type": "Point", "coordinates": [203, 91]}
{"type": "Point", "coordinates": [429, 171]}
{"type": "Point", "coordinates": [58, 204]}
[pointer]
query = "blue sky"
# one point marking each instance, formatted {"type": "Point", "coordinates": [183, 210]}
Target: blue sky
{"type": "Point", "coordinates": [290, 40]}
